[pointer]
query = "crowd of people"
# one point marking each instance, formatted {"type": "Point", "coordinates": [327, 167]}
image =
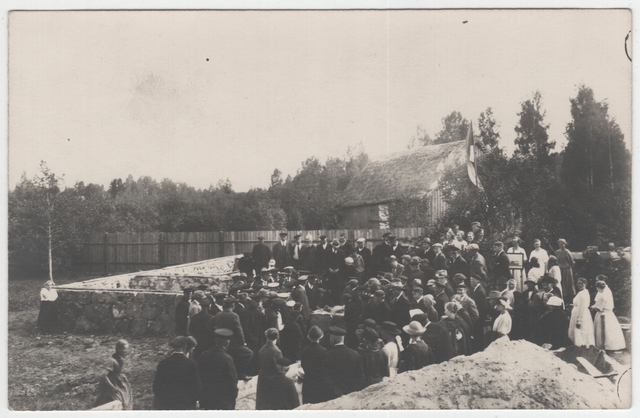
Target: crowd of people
{"type": "Point", "coordinates": [402, 306]}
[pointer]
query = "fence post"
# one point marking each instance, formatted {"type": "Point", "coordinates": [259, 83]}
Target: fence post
{"type": "Point", "coordinates": [161, 250]}
{"type": "Point", "coordinates": [221, 243]}
{"type": "Point", "coordinates": [106, 253]}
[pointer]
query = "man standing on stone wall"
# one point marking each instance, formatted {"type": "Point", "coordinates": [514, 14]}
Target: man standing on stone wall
{"type": "Point", "coordinates": [281, 252]}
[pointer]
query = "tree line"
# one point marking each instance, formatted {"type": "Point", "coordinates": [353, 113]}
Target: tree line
{"type": "Point", "coordinates": [581, 193]}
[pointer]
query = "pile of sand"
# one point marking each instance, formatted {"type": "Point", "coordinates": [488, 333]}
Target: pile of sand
{"type": "Point", "coordinates": [507, 375]}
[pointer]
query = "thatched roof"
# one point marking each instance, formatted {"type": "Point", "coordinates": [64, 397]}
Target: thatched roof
{"type": "Point", "coordinates": [413, 173]}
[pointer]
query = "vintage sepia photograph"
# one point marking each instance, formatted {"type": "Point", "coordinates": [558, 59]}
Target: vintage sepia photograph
{"type": "Point", "coordinates": [383, 209]}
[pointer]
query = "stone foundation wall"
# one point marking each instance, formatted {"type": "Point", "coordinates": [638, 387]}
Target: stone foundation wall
{"type": "Point", "coordinates": [125, 312]}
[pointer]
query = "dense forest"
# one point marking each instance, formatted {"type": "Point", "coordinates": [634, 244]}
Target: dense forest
{"type": "Point", "coordinates": [582, 193]}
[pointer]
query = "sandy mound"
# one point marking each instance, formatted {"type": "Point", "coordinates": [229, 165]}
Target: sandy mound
{"type": "Point", "coordinates": [507, 375]}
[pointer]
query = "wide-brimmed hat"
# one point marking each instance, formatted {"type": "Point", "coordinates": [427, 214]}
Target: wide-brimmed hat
{"type": "Point", "coordinates": [348, 261]}
{"type": "Point", "coordinates": [302, 278]}
{"type": "Point", "coordinates": [283, 234]}
{"type": "Point", "coordinates": [368, 323]}
{"type": "Point", "coordinates": [360, 240]}
{"type": "Point", "coordinates": [388, 327]}
{"type": "Point", "coordinates": [547, 279]}
{"type": "Point", "coordinates": [278, 301]}
{"type": "Point", "coordinates": [273, 285]}
{"type": "Point", "coordinates": [335, 243]}
{"type": "Point", "coordinates": [333, 330]}
{"type": "Point", "coordinates": [442, 281]}
{"type": "Point", "coordinates": [414, 328]}
{"type": "Point", "coordinates": [562, 240]}
{"type": "Point", "coordinates": [554, 301]}
{"type": "Point", "coordinates": [289, 268]}
{"type": "Point", "coordinates": [260, 236]}
{"type": "Point", "coordinates": [370, 335]}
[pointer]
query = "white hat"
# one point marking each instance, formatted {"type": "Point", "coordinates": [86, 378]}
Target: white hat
{"type": "Point", "coordinates": [414, 328]}
{"type": "Point", "coordinates": [554, 301]}
{"type": "Point", "coordinates": [309, 237]}
{"type": "Point", "coordinates": [348, 260]}
{"type": "Point", "coordinates": [291, 303]}
{"type": "Point", "coordinates": [360, 240]}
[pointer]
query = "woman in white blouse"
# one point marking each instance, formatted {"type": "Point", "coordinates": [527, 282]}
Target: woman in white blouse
{"type": "Point", "coordinates": [541, 254]}
{"type": "Point", "coordinates": [48, 316]}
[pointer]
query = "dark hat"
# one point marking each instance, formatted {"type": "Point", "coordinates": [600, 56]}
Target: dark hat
{"type": "Point", "coordinates": [353, 282]}
{"type": "Point", "coordinates": [368, 323]}
{"type": "Point", "coordinates": [459, 277]}
{"type": "Point", "coordinates": [502, 280]}
{"type": "Point", "coordinates": [260, 236]}
{"type": "Point", "coordinates": [370, 335]}
{"type": "Point", "coordinates": [389, 327]}
{"type": "Point", "coordinates": [179, 342]}
{"type": "Point", "coordinates": [461, 286]}
{"type": "Point", "coordinates": [386, 235]}
{"type": "Point", "coordinates": [297, 236]}
{"type": "Point", "coordinates": [188, 289]}
{"type": "Point", "coordinates": [379, 293]}
{"type": "Point", "coordinates": [392, 237]}
{"type": "Point", "coordinates": [229, 300]}
{"type": "Point", "coordinates": [203, 287]}
{"type": "Point", "coordinates": [205, 302]}
{"type": "Point", "coordinates": [223, 333]}
{"type": "Point", "coordinates": [346, 297]}
{"type": "Point", "coordinates": [547, 279]}
{"type": "Point", "coordinates": [315, 333]}
{"type": "Point", "coordinates": [279, 301]}
{"type": "Point", "coordinates": [415, 261]}
{"type": "Point", "coordinates": [297, 307]}
{"type": "Point", "coordinates": [284, 362]}
{"type": "Point", "coordinates": [337, 331]}
{"type": "Point", "coordinates": [284, 234]}
{"type": "Point", "coordinates": [335, 243]}
{"type": "Point", "coordinates": [421, 318]}
{"type": "Point", "coordinates": [494, 294]}
{"type": "Point", "coordinates": [322, 236]}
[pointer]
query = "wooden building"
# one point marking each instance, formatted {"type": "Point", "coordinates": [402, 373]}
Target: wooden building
{"type": "Point", "coordinates": [412, 174]}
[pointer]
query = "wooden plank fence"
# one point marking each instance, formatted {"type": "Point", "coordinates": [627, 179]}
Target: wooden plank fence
{"type": "Point", "coordinates": [104, 253]}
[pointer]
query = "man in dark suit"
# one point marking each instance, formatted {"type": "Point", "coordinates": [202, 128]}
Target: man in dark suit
{"type": "Point", "coordinates": [317, 386]}
{"type": "Point", "coordinates": [477, 263]}
{"type": "Point", "coordinates": [334, 279]}
{"type": "Point", "coordinates": [322, 251]}
{"type": "Point", "coordinates": [439, 261]}
{"type": "Point", "coordinates": [281, 252]}
{"type": "Point", "coordinates": [177, 384]}
{"type": "Point", "coordinates": [500, 262]}
{"type": "Point", "coordinates": [198, 329]}
{"type": "Point", "coordinates": [377, 309]}
{"type": "Point", "coordinates": [182, 312]}
{"type": "Point", "coordinates": [308, 255]}
{"type": "Point", "coordinates": [261, 255]}
{"type": "Point", "coordinates": [400, 305]}
{"type": "Point", "coordinates": [238, 349]}
{"type": "Point", "coordinates": [344, 365]}
{"type": "Point", "coordinates": [300, 295]}
{"type": "Point", "coordinates": [380, 255]}
{"type": "Point", "coordinates": [345, 245]}
{"type": "Point", "coordinates": [479, 296]}
{"type": "Point", "coordinates": [365, 253]}
{"type": "Point", "coordinates": [458, 263]}
{"type": "Point", "coordinates": [437, 338]}
{"type": "Point", "coordinates": [218, 373]}
{"type": "Point", "coordinates": [295, 252]}
{"type": "Point", "coordinates": [440, 295]}
{"type": "Point", "coordinates": [313, 293]}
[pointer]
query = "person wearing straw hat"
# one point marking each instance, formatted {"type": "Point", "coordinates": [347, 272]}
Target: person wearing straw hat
{"type": "Point", "coordinates": [280, 252]}
{"type": "Point", "coordinates": [344, 366]}
{"type": "Point", "coordinates": [261, 254]}
{"type": "Point", "coordinates": [417, 354]}
{"type": "Point", "coordinates": [552, 329]}
{"type": "Point", "coordinates": [282, 391]}
{"type": "Point", "coordinates": [317, 386]}
{"type": "Point", "coordinates": [218, 374]}
{"type": "Point", "coordinates": [375, 363]}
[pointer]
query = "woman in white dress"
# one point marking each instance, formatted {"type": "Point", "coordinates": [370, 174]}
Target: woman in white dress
{"type": "Point", "coordinates": [541, 254]}
{"type": "Point", "coordinates": [48, 316]}
{"type": "Point", "coordinates": [608, 334]}
{"type": "Point", "coordinates": [518, 275]}
{"type": "Point", "coordinates": [392, 347]}
{"type": "Point", "coordinates": [554, 271]}
{"type": "Point", "coordinates": [581, 325]}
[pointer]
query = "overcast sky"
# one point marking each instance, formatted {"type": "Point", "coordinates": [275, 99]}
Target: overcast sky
{"type": "Point", "coordinates": [202, 96]}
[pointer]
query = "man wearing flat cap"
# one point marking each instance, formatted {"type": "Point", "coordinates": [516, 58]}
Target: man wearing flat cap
{"type": "Point", "coordinates": [317, 386]}
{"type": "Point", "coordinates": [377, 308]}
{"type": "Point", "coordinates": [261, 255]}
{"type": "Point", "coordinates": [218, 374]}
{"type": "Point", "coordinates": [458, 264]}
{"type": "Point", "coordinates": [439, 261]}
{"type": "Point", "coordinates": [280, 252]}
{"type": "Point", "coordinates": [237, 348]}
{"type": "Point", "coordinates": [177, 384]}
{"type": "Point", "coordinates": [477, 262]}
{"type": "Point", "coordinates": [365, 253]}
{"type": "Point", "coordinates": [344, 366]}
{"type": "Point", "coordinates": [345, 244]}
{"type": "Point", "coordinates": [381, 254]}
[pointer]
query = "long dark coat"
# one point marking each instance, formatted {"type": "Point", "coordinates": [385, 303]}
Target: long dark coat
{"type": "Point", "coordinates": [345, 369]}
{"type": "Point", "coordinates": [198, 329]}
{"type": "Point", "coordinates": [365, 253]}
{"type": "Point", "coordinates": [261, 255]}
{"type": "Point", "coordinates": [552, 328]}
{"type": "Point", "coordinates": [177, 384]}
{"type": "Point", "coordinates": [317, 386]}
{"type": "Point", "coordinates": [459, 265]}
{"type": "Point", "coordinates": [322, 255]}
{"type": "Point", "coordinates": [219, 380]}
{"type": "Point", "coordinates": [375, 365]}
{"type": "Point", "coordinates": [300, 295]}
{"type": "Point", "coordinates": [182, 316]}
{"type": "Point", "coordinates": [268, 368]}
{"type": "Point", "coordinates": [291, 341]}
{"type": "Point", "coordinates": [501, 266]}
{"type": "Point", "coordinates": [282, 392]}
{"type": "Point", "coordinates": [280, 253]}
{"type": "Point", "coordinates": [380, 258]}
{"type": "Point", "coordinates": [437, 338]}
{"type": "Point", "coordinates": [440, 262]}
{"type": "Point", "coordinates": [415, 356]}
